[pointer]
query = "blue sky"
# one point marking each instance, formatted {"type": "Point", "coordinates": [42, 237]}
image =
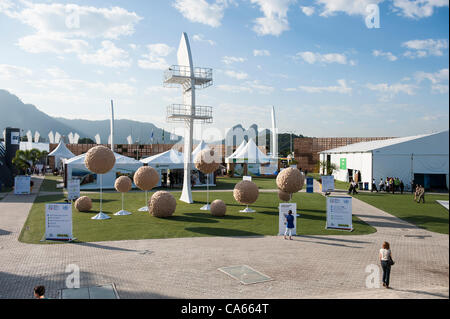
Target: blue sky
{"type": "Point", "coordinates": [326, 72]}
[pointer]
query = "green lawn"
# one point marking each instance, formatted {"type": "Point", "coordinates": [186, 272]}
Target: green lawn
{"type": "Point", "coordinates": [49, 184]}
{"type": "Point", "coordinates": [431, 215]}
{"type": "Point", "coordinates": [188, 220]}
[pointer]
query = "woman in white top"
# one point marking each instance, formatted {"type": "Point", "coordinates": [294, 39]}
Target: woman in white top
{"type": "Point", "coordinates": [385, 259]}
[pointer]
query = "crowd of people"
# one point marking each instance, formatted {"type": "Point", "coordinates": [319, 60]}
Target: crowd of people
{"type": "Point", "coordinates": [390, 185]}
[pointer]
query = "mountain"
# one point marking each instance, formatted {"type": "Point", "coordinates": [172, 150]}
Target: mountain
{"type": "Point", "coordinates": [14, 113]}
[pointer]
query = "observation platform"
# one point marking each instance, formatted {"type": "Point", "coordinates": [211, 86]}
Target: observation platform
{"type": "Point", "coordinates": [182, 112]}
{"type": "Point", "coordinates": [181, 75]}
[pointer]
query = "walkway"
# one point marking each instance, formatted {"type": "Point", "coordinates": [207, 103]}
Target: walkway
{"type": "Point", "coordinates": [307, 267]}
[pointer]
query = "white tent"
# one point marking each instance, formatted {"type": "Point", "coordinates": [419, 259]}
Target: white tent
{"type": "Point", "coordinates": [422, 158]}
{"type": "Point", "coordinates": [61, 153]}
{"type": "Point", "coordinates": [251, 154]}
{"type": "Point", "coordinates": [76, 169]}
{"type": "Point", "coordinates": [229, 159]}
{"type": "Point", "coordinates": [200, 147]}
{"type": "Point", "coordinates": [171, 159]}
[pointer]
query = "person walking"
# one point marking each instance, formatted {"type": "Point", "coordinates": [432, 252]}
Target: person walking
{"type": "Point", "coordinates": [374, 186]}
{"type": "Point", "coordinates": [381, 185]}
{"type": "Point", "coordinates": [421, 194]}
{"type": "Point", "coordinates": [289, 225]}
{"type": "Point", "coordinates": [386, 263]}
{"type": "Point", "coordinates": [402, 186]}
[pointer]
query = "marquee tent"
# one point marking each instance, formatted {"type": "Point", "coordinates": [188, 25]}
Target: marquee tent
{"type": "Point", "coordinates": [250, 153]}
{"type": "Point", "coordinates": [240, 148]}
{"type": "Point", "coordinates": [171, 159]}
{"type": "Point", "coordinates": [256, 161]}
{"type": "Point", "coordinates": [422, 158]}
{"type": "Point", "coordinates": [76, 169]}
{"type": "Point", "coordinates": [61, 153]}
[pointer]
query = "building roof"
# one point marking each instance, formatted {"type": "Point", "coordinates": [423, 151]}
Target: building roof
{"type": "Point", "coordinates": [120, 159]}
{"type": "Point", "coordinates": [365, 147]}
{"type": "Point", "coordinates": [170, 158]}
{"type": "Point", "coordinates": [250, 153]}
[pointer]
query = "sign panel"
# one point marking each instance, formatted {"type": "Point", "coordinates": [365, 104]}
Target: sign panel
{"type": "Point", "coordinates": [73, 189]}
{"type": "Point", "coordinates": [58, 222]}
{"type": "Point", "coordinates": [327, 183]}
{"type": "Point", "coordinates": [284, 209]}
{"type": "Point", "coordinates": [22, 185]}
{"type": "Point", "coordinates": [343, 164]}
{"type": "Point", "coordinates": [247, 178]}
{"type": "Point", "coordinates": [339, 213]}
{"type": "Point", "coordinates": [310, 185]}
{"type": "Point", "coordinates": [15, 138]}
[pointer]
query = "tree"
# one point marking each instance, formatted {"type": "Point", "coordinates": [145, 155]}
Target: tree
{"type": "Point", "coordinates": [86, 140]}
{"type": "Point", "coordinates": [328, 167]}
{"type": "Point", "coordinates": [25, 159]}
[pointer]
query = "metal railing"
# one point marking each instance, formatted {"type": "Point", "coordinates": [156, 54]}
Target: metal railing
{"type": "Point", "coordinates": [180, 75]}
{"type": "Point", "coordinates": [182, 112]}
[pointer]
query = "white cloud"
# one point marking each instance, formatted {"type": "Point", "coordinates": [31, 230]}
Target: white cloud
{"type": "Point", "coordinates": [109, 55]}
{"type": "Point", "coordinates": [202, 11]}
{"type": "Point", "coordinates": [261, 53]}
{"type": "Point", "coordinates": [312, 58]}
{"type": "Point", "coordinates": [200, 38]}
{"type": "Point", "coordinates": [9, 72]}
{"type": "Point", "coordinates": [248, 87]}
{"type": "Point", "coordinates": [350, 7]}
{"type": "Point", "coordinates": [424, 48]}
{"type": "Point", "coordinates": [56, 72]}
{"type": "Point", "coordinates": [236, 75]}
{"type": "Point", "coordinates": [73, 21]}
{"type": "Point", "coordinates": [418, 8]}
{"type": "Point", "coordinates": [52, 43]}
{"type": "Point", "coordinates": [275, 19]}
{"type": "Point", "coordinates": [387, 55]}
{"type": "Point", "coordinates": [437, 80]}
{"type": "Point", "coordinates": [309, 11]}
{"type": "Point", "coordinates": [155, 59]}
{"type": "Point", "coordinates": [233, 88]}
{"type": "Point", "coordinates": [232, 59]}
{"type": "Point", "coordinates": [341, 88]}
{"type": "Point", "coordinates": [388, 91]}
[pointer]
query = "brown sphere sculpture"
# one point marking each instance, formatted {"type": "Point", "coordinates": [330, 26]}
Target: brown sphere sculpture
{"type": "Point", "coordinates": [83, 204]}
{"type": "Point", "coordinates": [162, 204]}
{"type": "Point", "coordinates": [123, 184]}
{"type": "Point", "coordinates": [146, 178]}
{"type": "Point", "coordinates": [290, 180]}
{"type": "Point", "coordinates": [100, 159]}
{"type": "Point", "coordinates": [206, 161]}
{"type": "Point", "coordinates": [218, 208]}
{"type": "Point", "coordinates": [285, 197]}
{"type": "Point", "coordinates": [246, 192]}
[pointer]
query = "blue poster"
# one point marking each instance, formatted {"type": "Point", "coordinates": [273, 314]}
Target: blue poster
{"type": "Point", "coordinates": [310, 185]}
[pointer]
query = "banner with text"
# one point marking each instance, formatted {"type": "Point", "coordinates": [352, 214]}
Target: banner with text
{"type": "Point", "coordinates": [58, 222]}
{"type": "Point", "coordinates": [22, 185]}
{"type": "Point", "coordinates": [339, 213]}
{"type": "Point", "coordinates": [284, 209]}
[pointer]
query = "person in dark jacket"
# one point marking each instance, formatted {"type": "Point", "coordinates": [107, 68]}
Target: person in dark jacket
{"type": "Point", "coordinates": [289, 225]}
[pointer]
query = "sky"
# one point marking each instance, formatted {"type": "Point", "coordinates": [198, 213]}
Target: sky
{"type": "Point", "coordinates": [330, 67]}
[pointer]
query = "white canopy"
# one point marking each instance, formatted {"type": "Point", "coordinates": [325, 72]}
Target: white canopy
{"type": "Point", "coordinates": [171, 159]}
{"type": "Point", "coordinates": [76, 169]}
{"type": "Point", "coordinates": [229, 159]}
{"type": "Point", "coordinates": [250, 154]}
{"type": "Point", "coordinates": [62, 151]}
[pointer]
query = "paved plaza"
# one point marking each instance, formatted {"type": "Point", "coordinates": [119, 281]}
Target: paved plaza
{"type": "Point", "coordinates": [306, 267]}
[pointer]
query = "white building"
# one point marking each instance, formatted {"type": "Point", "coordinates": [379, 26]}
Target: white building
{"type": "Point", "coordinates": [422, 158]}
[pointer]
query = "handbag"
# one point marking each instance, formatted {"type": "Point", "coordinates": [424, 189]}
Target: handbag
{"type": "Point", "coordinates": [390, 262]}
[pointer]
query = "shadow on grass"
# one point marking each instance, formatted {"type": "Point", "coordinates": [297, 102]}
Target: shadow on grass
{"type": "Point", "coordinates": [209, 216]}
{"type": "Point", "coordinates": [211, 231]}
{"type": "Point", "coordinates": [188, 219]}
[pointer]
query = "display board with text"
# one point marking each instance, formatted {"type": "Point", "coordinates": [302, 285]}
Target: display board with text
{"type": "Point", "coordinates": [22, 185]}
{"type": "Point", "coordinates": [339, 213]}
{"type": "Point", "coordinates": [58, 222]}
{"type": "Point", "coordinates": [73, 189]}
{"type": "Point", "coordinates": [327, 183]}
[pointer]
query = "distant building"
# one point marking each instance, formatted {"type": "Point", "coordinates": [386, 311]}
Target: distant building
{"type": "Point", "coordinates": [423, 159]}
{"type": "Point", "coordinates": [307, 149]}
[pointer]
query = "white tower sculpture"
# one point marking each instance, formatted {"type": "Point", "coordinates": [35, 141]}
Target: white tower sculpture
{"type": "Point", "coordinates": [189, 78]}
{"type": "Point", "coordinates": [274, 149]}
